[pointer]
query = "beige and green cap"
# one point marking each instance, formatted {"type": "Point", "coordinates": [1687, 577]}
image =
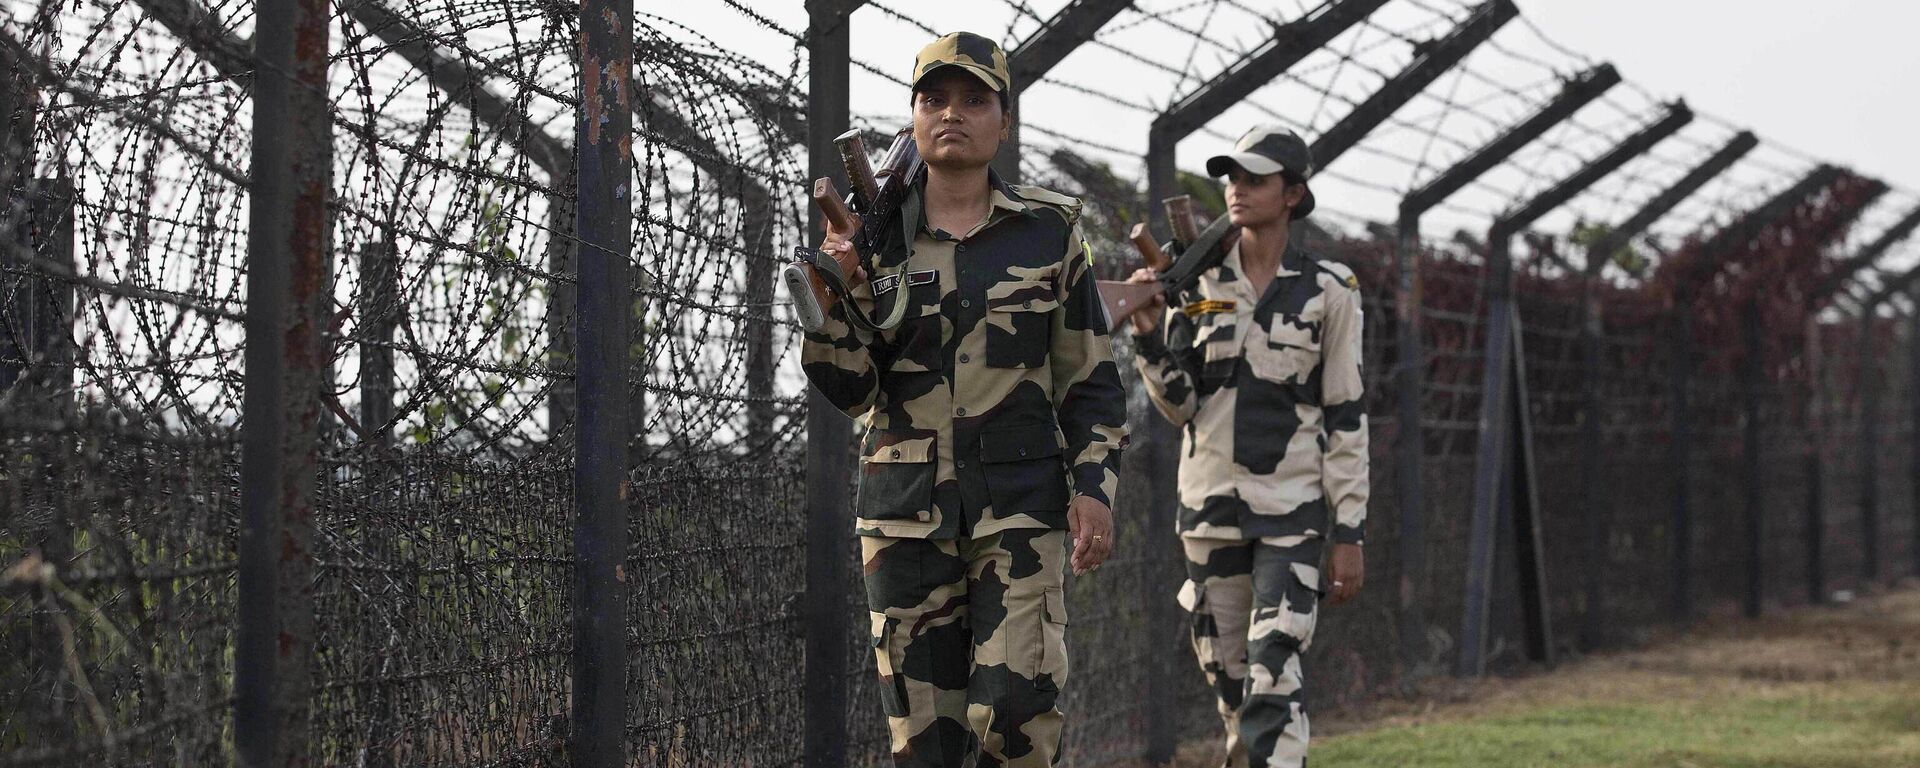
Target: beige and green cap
{"type": "Point", "coordinates": [968, 51]}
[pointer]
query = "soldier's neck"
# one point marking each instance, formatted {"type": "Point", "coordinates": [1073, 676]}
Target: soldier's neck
{"type": "Point", "coordinates": [1261, 248]}
{"type": "Point", "coordinates": [957, 198]}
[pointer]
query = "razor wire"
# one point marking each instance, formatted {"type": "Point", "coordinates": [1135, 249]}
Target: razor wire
{"type": "Point", "coordinates": [445, 502]}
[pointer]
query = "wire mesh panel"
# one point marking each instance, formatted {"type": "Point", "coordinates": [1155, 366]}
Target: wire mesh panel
{"type": "Point", "coordinates": [446, 500]}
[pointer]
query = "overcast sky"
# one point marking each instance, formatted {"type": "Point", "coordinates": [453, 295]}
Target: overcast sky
{"type": "Point", "coordinates": [1839, 79]}
{"type": "Point", "coordinates": [1826, 82]}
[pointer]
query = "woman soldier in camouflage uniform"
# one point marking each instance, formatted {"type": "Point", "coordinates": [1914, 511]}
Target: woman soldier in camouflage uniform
{"type": "Point", "coordinates": [1260, 363]}
{"type": "Point", "coordinates": [994, 420]}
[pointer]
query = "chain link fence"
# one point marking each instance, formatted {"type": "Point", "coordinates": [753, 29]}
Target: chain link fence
{"type": "Point", "coordinates": [445, 508]}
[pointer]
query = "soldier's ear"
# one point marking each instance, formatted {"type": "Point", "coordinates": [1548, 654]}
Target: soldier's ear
{"type": "Point", "coordinates": [1296, 191]}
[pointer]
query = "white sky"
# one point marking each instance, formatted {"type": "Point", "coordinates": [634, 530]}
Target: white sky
{"type": "Point", "coordinates": [1826, 83]}
{"type": "Point", "coordinates": [1835, 78]}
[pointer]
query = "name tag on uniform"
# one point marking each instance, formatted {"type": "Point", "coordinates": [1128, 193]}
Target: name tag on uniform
{"type": "Point", "coordinates": [1209, 307]}
{"type": "Point", "coordinates": [891, 282]}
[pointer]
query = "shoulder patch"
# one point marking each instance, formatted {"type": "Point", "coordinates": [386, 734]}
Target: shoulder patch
{"type": "Point", "coordinates": [1066, 203]}
{"type": "Point", "coordinates": [1339, 271]}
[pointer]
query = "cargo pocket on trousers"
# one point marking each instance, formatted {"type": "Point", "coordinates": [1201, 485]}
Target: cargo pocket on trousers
{"type": "Point", "coordinates": [1053, 649]}
{"type": "Point", "coordinates": [1200, 624]}
{"type": "Point", "coordinates": [897, 475]}
{"type": "Point", "coordinates": [889, 658]}
{"type": "Point", "coordinates": [1297, 604]}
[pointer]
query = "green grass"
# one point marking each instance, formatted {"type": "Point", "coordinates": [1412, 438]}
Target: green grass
{"type": "Point", "coordinates": [1859, 726]}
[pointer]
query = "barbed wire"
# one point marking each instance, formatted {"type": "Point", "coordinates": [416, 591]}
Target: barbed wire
{"type": "Point", "coordinates": [444, 510]}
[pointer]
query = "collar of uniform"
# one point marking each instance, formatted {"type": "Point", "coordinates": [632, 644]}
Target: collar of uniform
{"type": "Point", "coordinates": [1291, 262]}
{"type": "Point", "coordinates": [1002, 200]}
{"type": "Point", "coordinates": [1294, 261]}
{"type": "Point", "coordinates": [1004, 197]}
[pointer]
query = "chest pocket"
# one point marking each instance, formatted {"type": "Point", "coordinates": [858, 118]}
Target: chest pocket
{"type": "Point", "coordinates": [1291, 351]}
{"type": "Point", "coordinates": [917, 341]}
{"type": "Point", "coordinates": [1216, 340]}
{"type": "Point", "coordinates": [1020, 323]}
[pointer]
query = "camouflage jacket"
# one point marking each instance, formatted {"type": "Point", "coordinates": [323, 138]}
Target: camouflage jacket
{"type": "Point", "coordinates": [1268, 390]}
{"type": "Point", "coordinates": [997, 397]}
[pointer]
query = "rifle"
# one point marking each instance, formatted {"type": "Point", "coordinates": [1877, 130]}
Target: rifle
{"type": "Point", "coordinates": [1122, 298]}
{"type": "Point", "coordinates": [814, 279]}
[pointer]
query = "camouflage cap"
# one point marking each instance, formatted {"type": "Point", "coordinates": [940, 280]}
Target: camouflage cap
{"type": "Point", "coordinates": [968, 51]}
{"type": "Point", "coordinates": [1270, 149]}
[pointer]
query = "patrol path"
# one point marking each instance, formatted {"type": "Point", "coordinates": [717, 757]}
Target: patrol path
{"type": "Point", "coordinates": [1818, 687]}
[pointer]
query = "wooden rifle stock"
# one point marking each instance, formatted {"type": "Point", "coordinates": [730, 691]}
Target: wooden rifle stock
{"type": "Point", "coordinates": [827, 199]}
{"type": "Point", "coordinates": [1122, 298]}
{"type": "Point", "coordinates": [1149, 250]}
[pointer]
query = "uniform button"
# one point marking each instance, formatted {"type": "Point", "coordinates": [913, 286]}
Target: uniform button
{"type": "Point", "coordinates": [1028, 304]}
{"type": "Point", "coordinates": [961, 248]}
{"type": "Point", "coordinates": [960, 465]}
{"type": "Point", "coordinates": [964, 303]}
{"type": "Point", "coordinates": [962, 411]}
{"type": "Point", "coordinates": [1023, 451]}
{"type": "Point", "coordinates": [896, 454]}
{"type": "Point", "coordinates": [964, 358]}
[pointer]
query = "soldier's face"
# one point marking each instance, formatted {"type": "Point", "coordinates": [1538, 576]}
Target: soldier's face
{"type": "Point", "coordinates": [1256, 200]}
{"type": "Point", "coordinates": [957, 121]}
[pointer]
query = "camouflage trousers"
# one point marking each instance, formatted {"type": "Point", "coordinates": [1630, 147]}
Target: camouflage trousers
{"type": "Point", "coordinates": [1253, 605]}
{"type": "Point", "coordinates": [969, 637]}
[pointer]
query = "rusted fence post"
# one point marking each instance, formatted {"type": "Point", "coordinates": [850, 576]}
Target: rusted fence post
{"type": "Point", "coordinates": [603, 143]}
{"type": "Point", "coordinates": [288, 247]}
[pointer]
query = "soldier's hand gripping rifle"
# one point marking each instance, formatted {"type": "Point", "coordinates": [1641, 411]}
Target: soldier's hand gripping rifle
{"type": "Point", "coordinates": [816, 279]}
{"type": "Point", "coordinates": [1124, 298]}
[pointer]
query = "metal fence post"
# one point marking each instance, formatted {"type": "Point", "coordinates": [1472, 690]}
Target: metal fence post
{"type": "Point", "coordinates": [1913, 401]}
{"type": "Point", "coordinates": [1505, 450]}
{"type": "Point", "coordinates": [287, 252]}
{"type": "Point", "coordinates": [1681, 459]}
{"type": "Point", "coordinates": [1753, 474]}
{"type": "Point", "coordinates": [1870, 374]}
{"type": "Point", "coordinates": [1815, 461]}
{"type": "Point", "coordinates": [1156, 441]}
{"type": "Point", "coordinates": [603, 141]}
{"type": "Point", "coordinates": [1410, 447]}
{"type": "Point", "coordinates": [1598, 508]}
{"type": "Point", "coordinates": [1909, 282]}
{"type": "Point", "coordinates": [1409, 375]}
{"type": "Point", "coordinates": [380, 308]}
{"type": "Point", "coordinates": [827, 625]}
{"type": "Point", "coordinates": [36, 309]}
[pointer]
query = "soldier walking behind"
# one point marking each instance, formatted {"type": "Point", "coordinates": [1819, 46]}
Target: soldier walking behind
{"type": "Point", "coordinates": [994, 418]}
{"type": "Point", "coordinates": [1260, 363]}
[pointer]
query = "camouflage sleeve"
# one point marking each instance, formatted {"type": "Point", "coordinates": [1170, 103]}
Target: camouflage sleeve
{"type": "Point", "coordinates": [1170, 374]}
{"type": "Point", "coordinates": [1087, 396]}
{"type": "Point", "coordinates": [1344, 471]}
{"type": "Point", "coordinates": [836, 359]}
